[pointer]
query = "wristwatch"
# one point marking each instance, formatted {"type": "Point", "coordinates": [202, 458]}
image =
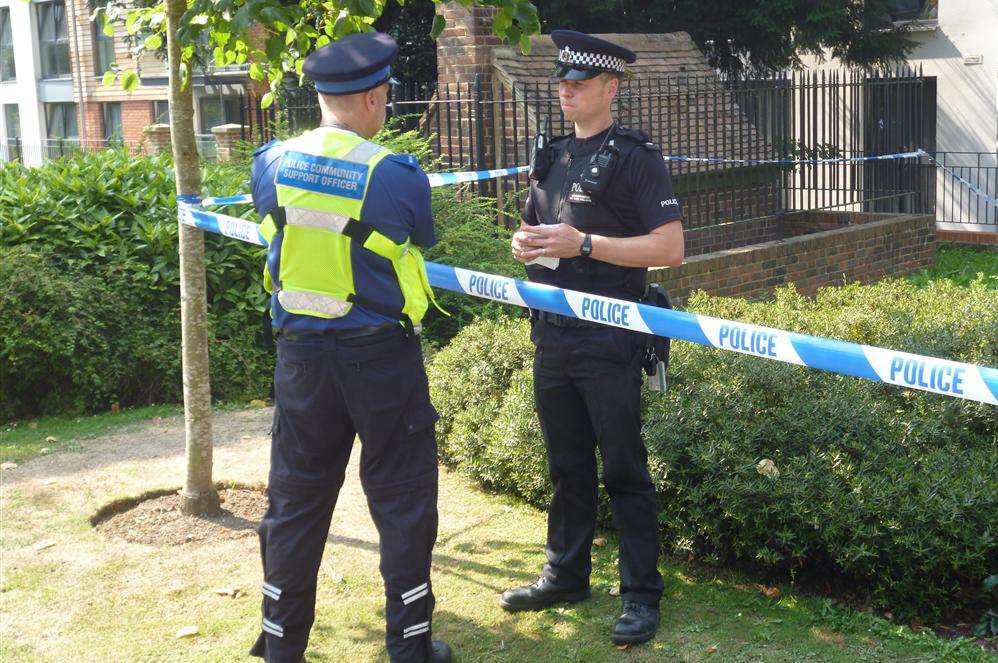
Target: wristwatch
{"type": "Point", "coordinates": [587, 246]}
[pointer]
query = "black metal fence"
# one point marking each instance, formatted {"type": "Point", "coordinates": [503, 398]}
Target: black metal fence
{"type": "Point", "coordinates": [801, 116]}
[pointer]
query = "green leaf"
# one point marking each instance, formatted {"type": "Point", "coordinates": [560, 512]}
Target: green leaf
{"type": "Point", "coordinates": [109, 78]}
{"type": "Point", "coordinates": [129, 81]}
{"type": "Point", "coordinates": [525, 44]}
{"type": "Point", "coordinates": [108, 27]}
{"type": "Point", "coordinates": [439, 23]}
{"type": "Point", "coordinates": [255, 72]}
{"type": "Point", "coordinates": [153, 42]}
{"type": "Point", "coordinates": [267, 100]}
{"type": "Point", "coordinates": [133, 21]}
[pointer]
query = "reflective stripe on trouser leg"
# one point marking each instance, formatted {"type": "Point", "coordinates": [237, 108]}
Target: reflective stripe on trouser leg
{"type": "Point", "coordinates": [405, 559]}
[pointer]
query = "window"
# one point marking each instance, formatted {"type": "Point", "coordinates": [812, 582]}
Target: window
{"type": "Point", "coordinates": [60, 125]}
{"type": "Point", "coordinates": [53, 40]}
{"type": "Point", "coordinates": [112, 122]}
{"type": "Point", "coordinates": [913, 10]}
{"type": "Point", "coordinates": [161, 112]}
{"type": "Point", "coordinates": [103, 47]}
{"type": "Point", "coordinates": [7, 70]}
{"type": "Point", "coordinates": [216, 111]}
{"type": "Point", "coordinates": [12, 139]}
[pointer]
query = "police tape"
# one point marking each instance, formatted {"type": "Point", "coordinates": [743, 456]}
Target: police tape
{"type": "Point", "coordinates": [436, 179]}
{"type": "Point", "coordinates": [445, 179]}
{"type": "Point", "coordinates": [988, 199]}
{"type": "Point", "coordinates": [932, 374]}
{"type": "Point", "coordinates": [792, 162]}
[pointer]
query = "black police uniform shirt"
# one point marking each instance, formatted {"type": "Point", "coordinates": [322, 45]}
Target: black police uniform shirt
{"type": "Point", "coordinates": [397, 204]}
{"type": "Point", "coordinates": [638, 200]}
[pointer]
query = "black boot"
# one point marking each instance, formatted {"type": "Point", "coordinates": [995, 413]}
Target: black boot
{"type": "Point", "coordinates": [441, 652]}
{"type": "Point", "coordinates": [540, 595]}
{"type": "Point", "coordinates": [639, 623]}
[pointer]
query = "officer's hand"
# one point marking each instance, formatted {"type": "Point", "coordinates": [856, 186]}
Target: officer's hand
{"type": "Point", "coordinates": [554, 241]}
{"type": "Point", "coordinates": [524, 243]}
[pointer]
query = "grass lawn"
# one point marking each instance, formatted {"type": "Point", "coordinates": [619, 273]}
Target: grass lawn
{"type": "Point", "coordinates": [21, 440]}
{"type": "Point", "coordinates": [961, 265]}
{"type": "Point", "coordinates": [90, 598]}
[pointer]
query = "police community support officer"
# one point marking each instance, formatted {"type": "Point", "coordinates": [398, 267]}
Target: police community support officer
{"type": "Point", "coordinates": [606, 209]}
{"type": "Point", "coordinates": [344, 217]}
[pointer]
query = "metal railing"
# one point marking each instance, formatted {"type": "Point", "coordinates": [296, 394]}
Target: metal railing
{"type": "Point", "coordinates": [955, 202]}
{"type": "Point", "coordinates": [800, 115]}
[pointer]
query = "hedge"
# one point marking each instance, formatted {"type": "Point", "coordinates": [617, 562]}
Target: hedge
{"type": "Point", "coordinates": [884, 488]}
{"type": "Point", "coordinates": [89, 308]}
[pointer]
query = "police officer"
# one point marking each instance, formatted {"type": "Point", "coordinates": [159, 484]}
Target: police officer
{"type": "Point", "coordinates": [345, 219]}
{"type": "Point", "coordinates": [600, 211]}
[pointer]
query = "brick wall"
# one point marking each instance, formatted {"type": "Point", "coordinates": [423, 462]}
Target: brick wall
{"type": "Point", "coordinates": [973, 237]}
{"type": "Point", "coordinates": [847, 246]}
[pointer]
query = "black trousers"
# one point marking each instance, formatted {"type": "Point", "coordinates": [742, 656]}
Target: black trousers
{"type": "Point", "coordinates": [587, 386]}
{"type": "Point", "coordinates": [327, 391]}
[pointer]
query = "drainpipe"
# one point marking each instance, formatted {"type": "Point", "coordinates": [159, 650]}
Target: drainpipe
{"type": "Point", "coordinates": [78, 72]}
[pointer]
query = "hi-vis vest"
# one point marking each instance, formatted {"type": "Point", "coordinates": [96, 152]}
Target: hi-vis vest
{"type": "Point", "coordinates": [321, 185]}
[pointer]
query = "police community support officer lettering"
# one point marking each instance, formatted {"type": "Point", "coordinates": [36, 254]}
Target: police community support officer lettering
{"type": "Point", "coordinates": [345, 218]}
{"type": "Point", "coordinates": [601, 202]}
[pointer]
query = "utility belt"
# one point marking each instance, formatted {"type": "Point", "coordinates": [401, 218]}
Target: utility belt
{"type": "Point", "coordinates": [565, 321]}
{"type": "Point", "coordinates": [656, 352]}
{"type": "Point", "coordinates": [340, 334]}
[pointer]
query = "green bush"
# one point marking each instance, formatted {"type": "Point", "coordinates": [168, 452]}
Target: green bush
{"type": "Point", "coordinates": [102, 226]}
{"type": "Point", "coordinates": [468, 237]}
{"type": "Point", "coordinates": [91, 287]}
{"type": "Point", "coordinates": [885, 488]}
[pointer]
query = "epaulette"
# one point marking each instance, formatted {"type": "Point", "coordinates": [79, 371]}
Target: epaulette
{"type": "Point", "coordinates": [638, 136]}
{"type": "Point", "coordinates": [405, 160]}
{"type": "Point", "coordinates": [266, 146]}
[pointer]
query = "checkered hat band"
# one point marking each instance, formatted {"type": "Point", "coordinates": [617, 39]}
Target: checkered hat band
{"type": "Point", "coordinates": [600, 60]}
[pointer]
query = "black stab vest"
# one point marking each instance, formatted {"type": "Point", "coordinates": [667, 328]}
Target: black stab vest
{"type": "Point", "coordinates": [558, 198]}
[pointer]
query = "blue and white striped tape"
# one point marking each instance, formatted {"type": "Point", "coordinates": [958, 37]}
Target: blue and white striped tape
{"type": "Point", "coordinates": [791, 162]}
{"type": "Point", "coordinates": [988, 200]}
{"type": "Point", "coordinates": [940, 376]}
{"type": "Point", "coordinates": [436, 179]}
{"type": "Point", "coordinates": [445, 179]}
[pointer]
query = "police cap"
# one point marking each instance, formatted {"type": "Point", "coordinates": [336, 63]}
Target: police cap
{"type": "Point", "coordinates": [355, 63]}
{"type": "Point", "coordinates": [582, 56]}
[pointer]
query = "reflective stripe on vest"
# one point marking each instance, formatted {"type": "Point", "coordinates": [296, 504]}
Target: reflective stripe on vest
{"type": "Point", "coordinates": [322, 182]}
{"type": "Point", "coordinates": [312, 303]}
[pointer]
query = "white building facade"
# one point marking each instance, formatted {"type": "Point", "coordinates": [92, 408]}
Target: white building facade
{"type": "Point", "coordinates": [956, 44]}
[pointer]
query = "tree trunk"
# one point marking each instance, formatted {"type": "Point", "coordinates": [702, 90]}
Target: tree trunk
{"type": "Point", "coordinates": [199, 495]}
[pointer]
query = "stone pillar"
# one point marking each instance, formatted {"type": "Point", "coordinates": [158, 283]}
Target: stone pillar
{"type": "Point", "coordinates": [157, 139]}
{"type": "Point", "coordinates": [227, 137]}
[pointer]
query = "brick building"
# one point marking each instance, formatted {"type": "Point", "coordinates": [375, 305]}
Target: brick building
{"type": "Point", "coordinates": [52, 59]}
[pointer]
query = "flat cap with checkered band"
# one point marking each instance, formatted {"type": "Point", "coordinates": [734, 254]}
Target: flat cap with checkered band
{"type": "Point", "coordinates": [582, 56]}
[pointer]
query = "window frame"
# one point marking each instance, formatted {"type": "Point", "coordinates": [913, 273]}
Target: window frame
{"type": "Point", "coordinates": [50, 50]}
{"type": "Point", "coordinates": [106, 111]}
{"type": "Point", "coordinates": [223, 100]}
{"type": "Point", "coordinates": [5, 26]}
{"type": "Point", "coordinates": [156, 115]}
{"type": "Point", "coordinates": [102, 42]}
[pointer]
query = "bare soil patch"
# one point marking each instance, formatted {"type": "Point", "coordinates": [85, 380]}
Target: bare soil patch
{"type": "Point", "coordinates": [156, 519]}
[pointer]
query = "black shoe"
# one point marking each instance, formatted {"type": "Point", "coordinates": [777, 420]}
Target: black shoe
{"type": "Point", "coordinates": [639, 623]}
{"type": "Point", "coordinates": [441, 652]}
{"type": "Point", "coordinates": [540, 595]}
